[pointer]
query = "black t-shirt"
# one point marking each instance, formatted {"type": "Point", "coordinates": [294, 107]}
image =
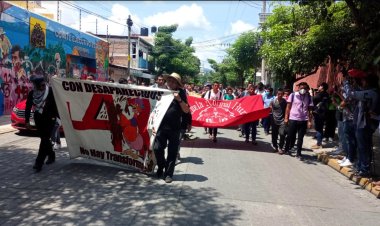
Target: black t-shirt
{"type": "Point", "coordinates": [278, 111]}
{"type": "Point", "coordinates": [173, 116]}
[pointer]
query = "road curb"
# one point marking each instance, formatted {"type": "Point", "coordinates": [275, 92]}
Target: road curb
{"type": "Point", "coordinates": [363, 182]}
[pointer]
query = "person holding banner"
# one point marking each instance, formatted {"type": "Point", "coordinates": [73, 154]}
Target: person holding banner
{"type": "Point", "coordinates": [168, 133]}
{"type": "Point", "coordinates": [45, 115]}
{"type": "Point", "coordinates": [278, 106]}
{"type": "Point", "coordinates": [214, 94]}
{"type": "Point", "coordinates": [251, 126]}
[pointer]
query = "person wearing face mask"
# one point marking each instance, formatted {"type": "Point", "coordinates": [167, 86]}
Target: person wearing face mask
{"type": "Point", "coordinates": [45, 115]}
{"type": "Point", "coordinates": [298, 116]}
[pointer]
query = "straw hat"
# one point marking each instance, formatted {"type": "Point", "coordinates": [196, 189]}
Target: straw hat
{"type": "Point", "coordinates": [176, 76]}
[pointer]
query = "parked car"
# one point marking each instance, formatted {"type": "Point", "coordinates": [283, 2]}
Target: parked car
{"type": "Point", "coordinates": [18, 117]}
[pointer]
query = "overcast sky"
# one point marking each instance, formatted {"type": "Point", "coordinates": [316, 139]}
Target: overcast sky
{"type": "Point", "coordinates": [212, 24]}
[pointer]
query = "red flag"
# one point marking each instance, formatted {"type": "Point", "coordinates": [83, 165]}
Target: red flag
{"type": "Point", "coordinates": [224, 113]}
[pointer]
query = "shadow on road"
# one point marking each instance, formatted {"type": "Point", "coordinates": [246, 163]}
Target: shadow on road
{"type": "Point", "coordinates": [194, 160]}
{"type": "Point", "coordinates": [83, 192]}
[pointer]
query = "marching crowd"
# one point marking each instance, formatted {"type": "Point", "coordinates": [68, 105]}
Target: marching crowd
{"type": "Point", "coordinates": [353, 107]}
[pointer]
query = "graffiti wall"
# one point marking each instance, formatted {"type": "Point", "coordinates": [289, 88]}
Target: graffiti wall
{"type": "Point", "coordinates": [31, 44]}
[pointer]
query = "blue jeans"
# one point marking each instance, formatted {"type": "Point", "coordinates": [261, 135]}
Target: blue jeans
{"type": "Point", "coordinates": [342, 140]}
{"type": "Point", "coordinates": [349, 140]}
{"type": "Point", "coordinates": [318, 124]}
{"type": "Point", "coordinates": [247, 129]}
{"type": "Point", "coordinates": [364, 142]}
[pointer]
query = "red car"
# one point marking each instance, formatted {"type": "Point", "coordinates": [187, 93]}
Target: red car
{"type": "Point", "coordinates": [18, 117]}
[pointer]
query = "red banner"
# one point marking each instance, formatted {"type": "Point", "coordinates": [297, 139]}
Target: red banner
{"type": "Point", "coordinates": [224, 113]}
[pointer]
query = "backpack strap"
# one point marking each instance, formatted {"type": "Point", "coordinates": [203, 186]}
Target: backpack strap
{"type": "Point", "coordinates": [209, 94]}
{"type": "Point", "coordinates": [220, 95]}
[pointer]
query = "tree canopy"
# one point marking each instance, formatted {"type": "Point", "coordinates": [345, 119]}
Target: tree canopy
{"type": "Point", "coordinates": [171, 55]}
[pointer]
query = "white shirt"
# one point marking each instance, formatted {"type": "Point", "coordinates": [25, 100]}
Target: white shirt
{"type": "Point", "coordinates": [214, 96]}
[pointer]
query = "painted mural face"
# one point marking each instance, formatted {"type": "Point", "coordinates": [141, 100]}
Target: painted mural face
{"type": "Point", "coordinates": [16, 60]}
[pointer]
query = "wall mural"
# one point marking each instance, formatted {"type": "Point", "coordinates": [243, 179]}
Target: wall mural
{"type": "Point", "coordinates": [33, 45]}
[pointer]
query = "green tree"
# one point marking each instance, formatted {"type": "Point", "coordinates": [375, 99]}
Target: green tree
{"type": "Point", "coordinates": [171, 55]}
{"type": "Point", "coordinates": [245, 56]}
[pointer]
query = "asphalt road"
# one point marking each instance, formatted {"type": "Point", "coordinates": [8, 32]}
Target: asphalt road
{"type": "Point", "coordinates": [225, 183]}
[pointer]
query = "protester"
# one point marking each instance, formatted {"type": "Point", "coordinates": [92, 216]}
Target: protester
{"type": "Point", "coordinates": [229, 95]}
{"type": "Point", "coordinates": [168, 133]}
{"type": "Point", "coordinates": [321, 101]}
{"type": "Point", "coordinates": [365, 114]}
{"type": "Point", "coordinates": [206, 88]}
{"type": "Point", "coordinates": [45, 115]}
{"type": "Point", "coordinates": [336, 100]}
{"type": "Point", "coordinates": [250, 127]}
{"type": "Point", "coordinates": [278, 106]}
{"type": "Point", "coordinates": [260, 89]}
{"type": "Point", "coordinates": [56, 135]}
{"type": "Point", "coordinates": [160, 82]}
{"type": "Point", "coordinates": [331, 122]}
{"type": "Point", "coordinates": [298, 116]}
{"type": "Point", "coordinates": [214, 94]}
{"type": "Point", "coordinates": [267, 98]}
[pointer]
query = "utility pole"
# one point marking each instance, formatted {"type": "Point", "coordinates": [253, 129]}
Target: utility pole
{"type": "Point", "coordinates": [96, 26]}
{"type": "Point", "coordinates": [263, 77]}
{"type": "Point", "coordinates": [27, 5]}
{"type": "Point", "coordinates": [57, 11]}
{"type": "Point", "coordinates": [129, 23]}
{"type": "Point", "coordinates": [80, 19]}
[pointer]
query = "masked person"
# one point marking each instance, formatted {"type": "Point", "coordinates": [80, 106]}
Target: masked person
{"type": "Point", "coordinates": [45, 115]}
{"type": "Point", "coordinates": [298, 116]}
{"type": "Point", "coordinates": [168, 133]}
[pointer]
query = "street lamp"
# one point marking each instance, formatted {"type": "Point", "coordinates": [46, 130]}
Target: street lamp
{"type": "Point", "coordinates": [129, 23]}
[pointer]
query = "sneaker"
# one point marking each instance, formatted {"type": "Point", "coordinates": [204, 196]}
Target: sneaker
{"type": "Point", "coordinates": [346, 163]}
{"type": "Point", "coordinates": [254, 142]}
{"type": "Point", "coordinates": [246, 140]}
{"type": "Point", "coordinates": [280, 151]}
{"type": "Point", "coordinates": [168, 179]}
{"type": "Point", "coordinates": [342, 160]}
{"type": "Point", "coordinates": [316, 146]}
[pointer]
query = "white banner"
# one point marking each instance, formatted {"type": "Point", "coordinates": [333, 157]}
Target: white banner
{"type": "Point", "coordinates": [109, 122]}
